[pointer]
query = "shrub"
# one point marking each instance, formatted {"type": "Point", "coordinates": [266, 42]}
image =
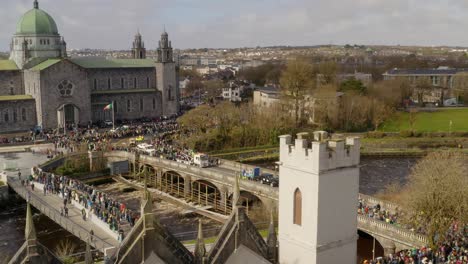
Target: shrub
{"type": "Point", "coordinates": [406, 133]}
{"type": "Point", "coordinates": [375, 134]}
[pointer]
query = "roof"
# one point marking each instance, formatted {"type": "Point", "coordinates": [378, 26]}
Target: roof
{"type": "Point", "coordinates": [46, 64]}
{"type": "Point", "coordinates": [15, 97]}
{"type": "Point", "coordinates": [8, 65]}
{"type": "Point", "coordinates": [434, 71]}
{"type": "Point", "coordinates": [102, 63]}
{"type": "Point", "coordinates": [36, 21]}
{"type": "Point", "coordinates": [269, 90]}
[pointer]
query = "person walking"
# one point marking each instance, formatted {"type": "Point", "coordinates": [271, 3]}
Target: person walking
{"type": "Point", "coordinates": [83, 214]}
{"type": "Point", "coordinates": [66, 211]}
{"type": "Point", "coordinates": [91, 232]}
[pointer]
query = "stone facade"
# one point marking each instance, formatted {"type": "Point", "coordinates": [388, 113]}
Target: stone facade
{"type": "Point", "coordinates": [127, 105]}
{"type": "Point", "coordinates": [74, 91]}
{"type": "Point", "coordinates": [11, 82]}
{"type": "Point", "coordinates": [17, 115]}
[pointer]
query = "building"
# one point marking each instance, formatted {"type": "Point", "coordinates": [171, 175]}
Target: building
{"type": "Point", "coordinates": [441, 81]}
{"type": "Point", "coordinates": [317, 194]}
{"type": "Point", "coordinates": [233, 92]}
{"type": "Point", "coordinates": [266, 96]}
{"type": "Point", "coordinates": [41, 86]}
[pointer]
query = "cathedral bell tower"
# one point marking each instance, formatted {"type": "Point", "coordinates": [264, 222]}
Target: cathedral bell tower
{"type": "Point", "coordinates": [166, 75]}
{"type": "Point", "coordinates": [165, 53]}
{"type": "Point", "coordinates": [138, 48]}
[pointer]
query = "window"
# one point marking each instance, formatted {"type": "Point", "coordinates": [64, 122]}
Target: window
{"type": "Point", "coordinates": [108, 83]}
{"type": "Point", "coordinates": [129, 106]}
{"type": "Point", "coordinates": [115, 106]}
{"type": "Point", "coordinates": [154, 103]}
{"type": "Point", "coordinates": [141, 104]}
{"type": "Point", "coordinates": [6, 116]}
{"type": "Point", "coordinates": [122, 83]}
{"type": "Point", "coordinates": [147, 82]}
{"type": "Point", "coordinates": [135, 83]}
{"type": "Point", "coordinates": [23, 114]}
{"type": "Point", "coordinates": [95, 84]}
{"type": "Point", "coordinates": [169, 93]}
{"type": "Point", "coordinates": [15, 116]}
{"type": "Point", "coordinates": [65, 88]}
{"type": "Point", "coordinates": [297, 207]}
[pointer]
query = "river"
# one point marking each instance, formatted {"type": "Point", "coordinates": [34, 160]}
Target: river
{"type": "Point", "coordinates": [376, 173]}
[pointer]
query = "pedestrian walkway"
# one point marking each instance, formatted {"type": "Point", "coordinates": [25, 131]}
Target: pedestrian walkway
{"type": "Point", "coordinates": [50, 205]}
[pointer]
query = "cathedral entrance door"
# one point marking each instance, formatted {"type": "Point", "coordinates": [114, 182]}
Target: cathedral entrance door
{"type": "Point", "coordinates": [68, 115]}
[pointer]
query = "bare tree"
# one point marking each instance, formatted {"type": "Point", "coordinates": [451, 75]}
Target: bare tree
{"type": "Point", "coordinates": [297, 82]}
{"type": "Point", "coordinates": [437, 194]}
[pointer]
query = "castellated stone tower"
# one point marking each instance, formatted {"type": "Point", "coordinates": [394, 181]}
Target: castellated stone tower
{"type": "Point", "coordinates": [318, 191]}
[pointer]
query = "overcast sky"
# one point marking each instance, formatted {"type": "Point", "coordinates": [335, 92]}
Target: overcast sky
{"type": "Point", "coordinates": [111, 24]}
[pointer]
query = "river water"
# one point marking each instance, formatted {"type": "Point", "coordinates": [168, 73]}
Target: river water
{"type": "Point", "coordinates": [376, 173]}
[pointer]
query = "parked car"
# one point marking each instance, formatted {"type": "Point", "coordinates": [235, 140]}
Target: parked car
{"type": "Point", "coordinates": [268, 178]}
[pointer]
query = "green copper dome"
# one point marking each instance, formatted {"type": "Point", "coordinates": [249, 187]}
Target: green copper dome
{"type": "Point", "coordinates": [36, 21]}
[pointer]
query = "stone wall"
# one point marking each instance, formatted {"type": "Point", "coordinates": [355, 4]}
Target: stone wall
{"type": "Point", "coordinates": [121, 79]}
{"type": "Point", "coordinates": [168, 87]}
{"type": "Point", "coordinates": [51, 99]}
{"type": "Point", "coordinates": [11, 83]}
{"type": "Point", "coordinates": [127, 105]}
{"type": "Point", "coordinates": [17, 115]}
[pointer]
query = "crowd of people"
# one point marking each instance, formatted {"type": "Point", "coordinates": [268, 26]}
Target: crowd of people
{"type": "Point", "coordinates": [95, 203]}
{"type": "Point", "coordinates": [454, 250]}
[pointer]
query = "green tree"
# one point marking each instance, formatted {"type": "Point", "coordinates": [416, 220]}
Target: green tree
{"type": "Point", "coordinates": [354, 86]}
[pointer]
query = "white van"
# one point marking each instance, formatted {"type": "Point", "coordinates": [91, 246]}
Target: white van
{"type": "Point", "coordinates": [201, 160]}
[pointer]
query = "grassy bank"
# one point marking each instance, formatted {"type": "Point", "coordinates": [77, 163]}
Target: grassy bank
{"type": "Point", "coordinates": [438, 121]}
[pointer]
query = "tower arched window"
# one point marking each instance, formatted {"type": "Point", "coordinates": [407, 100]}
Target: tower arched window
{"type": "Point", "coordinates": [297, 217]}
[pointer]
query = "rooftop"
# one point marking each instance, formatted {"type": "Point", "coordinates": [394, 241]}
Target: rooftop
{"type": "Point", "coordinates": [433, 71]}
{"type": "Point", "coordinates": [15, 97]}
{"type": "Point", "coordinates": [102, 63]}
{"type": "Point", "coordinates": [46, 64]}
{"type": "Point", "coordinates": [8, 65]}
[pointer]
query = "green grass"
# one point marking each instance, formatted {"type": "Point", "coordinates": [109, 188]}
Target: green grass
{"type": "Point", "coordinates": [438, 121]}
{"type": "Point", "coordinates": [241, 150]}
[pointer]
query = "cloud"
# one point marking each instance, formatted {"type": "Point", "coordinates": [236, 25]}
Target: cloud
{"type": "Point", "coordinates": [221, 23]}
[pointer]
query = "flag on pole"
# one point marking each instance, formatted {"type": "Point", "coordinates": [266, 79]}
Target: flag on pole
{"type": "Point", "coordinates": [108, 107]}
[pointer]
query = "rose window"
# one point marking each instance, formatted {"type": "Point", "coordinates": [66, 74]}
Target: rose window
{"type": "Point", "coordinates": [66, 88]}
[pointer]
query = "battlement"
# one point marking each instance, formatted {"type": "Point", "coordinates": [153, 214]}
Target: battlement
{"type": "Point", "coordinates": [320, 153]}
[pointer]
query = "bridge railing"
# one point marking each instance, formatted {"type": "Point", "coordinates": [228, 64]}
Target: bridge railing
{"type": "Point", "coordinates": [370, 200]}
{"type": "Point", "coordinates": [55, 215]}
{"type": "Point", "coordinates": [381, 228]}
{"type": "Point", "coordinates": [216, 177]}
{"type": "Point", "coordinates": [20, 254]}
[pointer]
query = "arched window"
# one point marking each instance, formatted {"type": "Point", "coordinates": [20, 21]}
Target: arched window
{"type": "Point", "coordinates": [6, 116]}
{"type": "Point", "coordinates": [297, 207]}
{"type": "Point", "coordinates": [23, 114]}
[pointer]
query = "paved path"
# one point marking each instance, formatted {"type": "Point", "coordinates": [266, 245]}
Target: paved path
{"type": "Point", "coordinates": [50, 205]}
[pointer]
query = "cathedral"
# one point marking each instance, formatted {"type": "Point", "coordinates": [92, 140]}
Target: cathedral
{"type": "Point", "coordinates": [41, 87]}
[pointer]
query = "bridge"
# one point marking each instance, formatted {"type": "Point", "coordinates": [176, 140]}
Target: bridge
{"type": "Point", "coordinates": [214, 186]}
{"type": "Point", "coordinates": [208, 189]}
{"type": "Point", "coordinates": [103, 238]}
